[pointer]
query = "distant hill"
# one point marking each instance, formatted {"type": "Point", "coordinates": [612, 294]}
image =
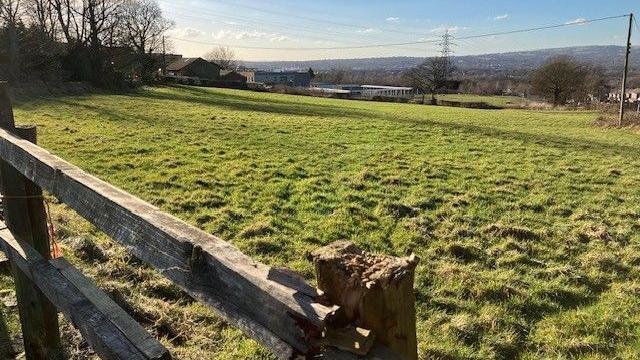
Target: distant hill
{"type": "Point", "coordinates": [609, 57]}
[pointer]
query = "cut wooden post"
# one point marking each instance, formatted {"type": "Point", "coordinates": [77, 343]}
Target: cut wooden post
{"type": "Point", "coordinates": [26, 220]}
{"type": "Point", "coordinates": [285, 316]}
{"type": "Point", "coordinates": [350, 339]}
{"type": "Point", "coordinates": [374, 292]}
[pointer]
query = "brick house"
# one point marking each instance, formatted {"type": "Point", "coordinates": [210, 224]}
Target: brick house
{"type": "Point", "coordinates": [233, 78]}
{"type": "Point", "coordinates": [194, 68]}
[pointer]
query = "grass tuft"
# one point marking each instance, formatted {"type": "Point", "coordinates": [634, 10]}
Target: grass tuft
{"type": "Point", "coordinates": [527, 222]}
{"type": "Point", "coordinates": [516, 232]}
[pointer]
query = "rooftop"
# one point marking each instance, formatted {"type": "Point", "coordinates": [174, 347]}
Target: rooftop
{"type": "Point", "coordinates": [380, 87]}
{"type": "Point", "coordinates": [181, 64]}
{"type": "Point", "coordinates": [282, 72]}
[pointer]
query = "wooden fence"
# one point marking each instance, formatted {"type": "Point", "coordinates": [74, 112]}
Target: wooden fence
{"type": "Point", "coordinates": [274, 307]}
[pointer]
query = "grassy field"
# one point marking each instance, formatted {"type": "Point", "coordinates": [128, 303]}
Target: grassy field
{"type": "Point", "coordinates": [527, 223]}
{"type": "Point", "coordinates": [498, 101]}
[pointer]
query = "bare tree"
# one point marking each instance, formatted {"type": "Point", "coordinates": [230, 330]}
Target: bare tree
{"type": "Point", "coordinates": [41, 14]}
{"type": "Point", "coordinates": [85, 24]}
{"type": "Point", "coordinates": [10, 14]}
{"type": "Point", "coordinates": [223, 56]}
{"type": "Point", "coordinates": [431, 77]}
{"type": "Point", "coordinates": [415, 78]}
{"type": "Point", "coordinates": [71, 19]}
{"type": "Point", "coordinates": [100, 16]}
{"type": "Point", "coordinates": [98, 34]}
{"type": "Point", "coordinates": [142, 29]}
{"type": "Point", "coordinates": [434, 74]}
{"type": "Point", "coordinates": [560, 80]}
{"type": "Point", "coordinates": [144, 25]}
{"type": "Point", "coordinates": [596, 83]}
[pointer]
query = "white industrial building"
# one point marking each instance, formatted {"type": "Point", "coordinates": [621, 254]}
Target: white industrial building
{"type": "Point", "coordinates": [371, 91]}
{"type": "Point", "coordinates": [366, 91]}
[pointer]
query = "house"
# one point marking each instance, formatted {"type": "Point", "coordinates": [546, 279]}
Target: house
{"type": "Point", "coordinates": [193, 69]}
{"type": "Point", "coordinates": [249, 75]}
{"type": "Point", "coordinates": [161, 61]}
{"type": "Point", "coordinates": [632, 96]}
{"type": "Point", "coordinates": [233, 78]}
{"type": "Point", "coordinates": [286, 78]}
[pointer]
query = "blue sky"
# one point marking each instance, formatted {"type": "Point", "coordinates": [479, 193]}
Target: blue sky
{"type": "Point", "coordinates": [286, 27]}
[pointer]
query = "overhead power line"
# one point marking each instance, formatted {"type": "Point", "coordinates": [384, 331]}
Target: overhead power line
{"type": "Point", "coordinates": [324, 21]}
{"type": "Point", "coordinates": [244, 22]}
{"type": "Point", "coordinates": [301, 33]}
{"type": "Point", "coordinates": [428, 41]}
{"type": "Point", "coordinates": [576, 23]}
{"type": "Point", "coordinates": [308, 48]}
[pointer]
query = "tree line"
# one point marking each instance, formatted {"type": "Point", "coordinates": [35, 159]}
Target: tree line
{"type": "Point", "coordinates": [563, 80]}
{"type": "Point", "coordinates": [104, 42]}
{"type": "Point", "coordinates": [560, 81]}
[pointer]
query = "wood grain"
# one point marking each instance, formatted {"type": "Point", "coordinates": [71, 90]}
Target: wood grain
{"type": "Point", "coordinates": [374, 291]}
{"type": "Point", "coordinates": [111, 333]}
{"type": "Point", "coordinates": [282, 315]}
{"type": "Point", "coordinates": [25, 217]}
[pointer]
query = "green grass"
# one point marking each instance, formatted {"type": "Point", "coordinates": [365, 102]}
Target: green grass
{"type": "Point", "coordinates": [527, 222]}
{"type": "Point", "coordinates": [499, 101]}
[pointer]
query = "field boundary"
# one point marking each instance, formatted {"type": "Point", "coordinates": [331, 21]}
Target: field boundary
{"type": "Point", "coordinates": [274, 307]}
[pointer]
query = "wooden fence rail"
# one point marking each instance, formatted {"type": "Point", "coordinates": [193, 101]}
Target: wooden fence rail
{"type": "Point", "coordinates": [279, 310]}
{"type": "Point", "coordinates": [107, 328]}
{"type": "Point", "coordinates": [283, 316]}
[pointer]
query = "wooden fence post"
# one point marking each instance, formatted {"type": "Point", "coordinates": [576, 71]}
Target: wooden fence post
{"type": "Point", "coordinates": [6, 348]}
{"type": "Point", "coordinates": [25, 217]}
{"type": "Point", "coordinates": [374, 292]}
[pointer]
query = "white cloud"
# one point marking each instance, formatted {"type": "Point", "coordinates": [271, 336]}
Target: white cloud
{"type": "Point", "coordinates": [501, 17]}
{"type": "Point", "coordinates": [221, 34]}
{"type": "Point", "coordinates": [278, 38]}
{"type": "Point", "coordinates": [393, 19]}
{"type": "Point", "coordinates": [242, 35]}
{"type": "Point", "coordinates": [249, 35]}
{"type": "Point", "coordinates": [185, 33]}
{"type": "Point", "coordinates": [579, 21]}
{"type": "Point", "coordinates": [367, 31]}
{"type": "Point", "coordinates": [442, 29]}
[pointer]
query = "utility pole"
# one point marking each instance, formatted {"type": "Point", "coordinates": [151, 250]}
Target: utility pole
{"type": "Point", "coordinates": [623, 94]}
{"type": "Point", "coordinates": [164, 57]}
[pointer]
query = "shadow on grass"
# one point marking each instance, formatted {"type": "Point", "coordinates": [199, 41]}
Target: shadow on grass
{"type": "Point", "coordinates": [294, 107]}
{"type": "Point", "coordinates": [558, 141]}
{"type": "Point", "coordinates": [104, 112]}
{"type": "Point", "coordinates": [238, 102]}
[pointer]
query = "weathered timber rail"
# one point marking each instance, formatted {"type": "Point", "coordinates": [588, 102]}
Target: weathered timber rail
{"type": "Point", "coordinates": [112, 333]}
{"type": "Point", "coordinates": [281, 316]}
{"type": "Point", "coordinates": [274, 307]}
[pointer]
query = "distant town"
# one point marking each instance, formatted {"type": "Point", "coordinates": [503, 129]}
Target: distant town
{"type": "Point", "coordinates": [198, 71]}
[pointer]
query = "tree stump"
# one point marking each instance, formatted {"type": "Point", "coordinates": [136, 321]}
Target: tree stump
{"type": "Point", "coordinates": [375, 292]}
